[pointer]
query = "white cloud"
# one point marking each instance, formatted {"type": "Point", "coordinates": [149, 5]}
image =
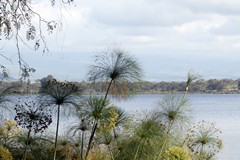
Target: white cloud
{"type": "Point", "coordinates": [138, 13]}
{"type": "Point", "coordinates": [229, 42]}
{"type": "Point", "coordinates": [156, 31]}
{"type": "Point", "coordinates": [230, 27]}
{"type": "Point", "coordinates": [161, 25]}
{"type": "Point", "coordinates": [222, 7]}
{"type": "Point", "coordinates": [205, 25]}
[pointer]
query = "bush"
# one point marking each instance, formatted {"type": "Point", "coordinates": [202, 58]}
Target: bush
{"type": "Point", "coordinates": [5, 154]}
{"type": "Point", "coordinates": [176, 153]}
{"type": "Point", "coordinates": [18, 154]}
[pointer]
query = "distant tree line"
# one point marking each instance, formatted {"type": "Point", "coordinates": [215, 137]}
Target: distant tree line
{"type": "Point", "coordinates": [200, 86]}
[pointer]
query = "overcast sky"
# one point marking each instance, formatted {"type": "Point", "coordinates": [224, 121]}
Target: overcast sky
{"type": "Point", "coordinates": [168, 37]}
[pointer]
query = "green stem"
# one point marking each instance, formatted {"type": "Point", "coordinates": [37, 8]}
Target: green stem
{"type": "Point", "coordinates": [27, 141]}
{"type": "Point", "coordinates": [135, 157]}
{"type": "Point", "coordinates": [108, 89]}
{"type": "Point", "coordinates": [110, 151]}
{"type": "Point", "coordinates": [96, 121]}
{"type": "Point", "coordinates": [56, 137]}
{"type": "Point", "coordinates": [117, 153]}
{"type": "Point", "coordinates": [165, 140]}
{"type": "Point", "coordinates": [200, 154]}
{"type": "Point", "coordinates": [81, 151]}
{"type": "Point", "coordinates": [172, 122]}
{"type": "Point", "coordinates": [91, 137]}
{"type": "Point", "coordinates": [185, 139]}
{"type": "Point", "coordinates": [140, 154]}
{"type": "Point", "coordinates": [114, 133]}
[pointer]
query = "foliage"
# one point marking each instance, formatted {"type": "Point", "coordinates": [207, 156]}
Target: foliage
{"type": "Point", "coordinates": [119, 119]}
{"type": "Point", "coordinates": [66, 150]}
{"type": "Point", "coordinates": [117, 69]}
{"type": "Point", "coordinates": [95, 135]}
{"type": "Point", "coordinates": [133, 148]}
{"type": "Point", "coordinates": [128, 147]}
{"type": "Point", "coordinates": [60, 94]}
{"type": "Point", "coordinates": [175, 112]}
{"type": "Point", "coordinates": [98, 156]}
{"type": "Point", "coordinates": [191, 76]}
{"type": "Point", "coordinates": [18, 154]}
{"type": "Point", "coordinates": [19, 16]}
{"type": "Point", "coordinates": [142, 142]}
{"type": "Point", "coordinates": [5, 154]}
{"type": "Point", "coordinates": [95, 113]}
{"type": "Point", "coordinates": [148, 128]}
{"type": "Point", "coordinates": [198, 86]}
{"type": "Point", "coordinates": [108, 123]}
{"type": "Point", "coordinates": [38, 146]}
{"type": "Point", "coordinates": [204, 140]}
{"type": "Point", "coordinates": [15, 15]}
{"type": "Point", "coordinates": [176, 153]}
{"type": "Point", "coordinates": [33, 115]}
{"type": "Point", "coordinates": [238, 85]}
{"type": "Point", "coordinates": [92, 109]}
{"type": "Point", "coordinates": [88, 88]}
{"type": "Point", "coordinates": [173, 109]}
{"type": "Point", "coordinates": [79, 130]}
{"type": "Point", "coordinates": [113, 121]}
{"type": "Point", "coordinates": [8, 131]}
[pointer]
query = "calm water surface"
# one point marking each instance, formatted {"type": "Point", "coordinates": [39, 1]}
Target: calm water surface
{"type": "Point", "coordinates": [221, 109]}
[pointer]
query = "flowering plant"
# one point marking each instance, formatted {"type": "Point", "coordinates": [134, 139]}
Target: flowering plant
{"type": "Point", "coordinates": [33, 115]}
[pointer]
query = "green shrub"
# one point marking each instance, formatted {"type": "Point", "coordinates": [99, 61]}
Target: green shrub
{"type": "Point", "coordinates": [204, 141]}
{"type": "Point", "coordinates": [176, 153]}
{"type": "Point", "coordinates": [5, 154]}
{"type": "Point", "coordinates": [18, 154]}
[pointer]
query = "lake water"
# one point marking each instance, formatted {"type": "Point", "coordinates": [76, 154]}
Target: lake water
{"type": "Point", "coordinates": [221, 109]}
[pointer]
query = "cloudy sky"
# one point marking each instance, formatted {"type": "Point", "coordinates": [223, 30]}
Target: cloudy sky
{"type": "Point", "coordinates": [168, 37]}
